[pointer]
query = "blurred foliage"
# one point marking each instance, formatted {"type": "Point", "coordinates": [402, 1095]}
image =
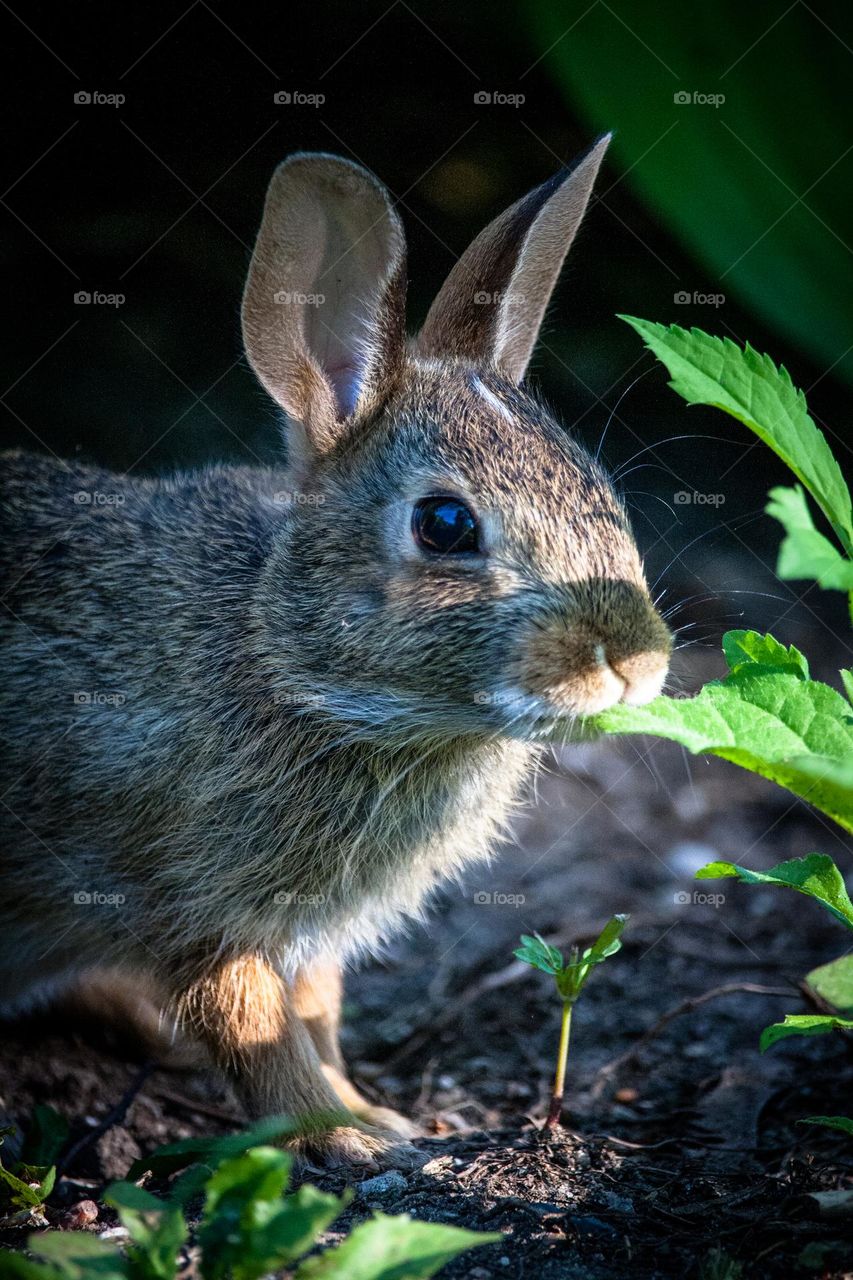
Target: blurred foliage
{"type": "Point", "coordinates": [758, 186]}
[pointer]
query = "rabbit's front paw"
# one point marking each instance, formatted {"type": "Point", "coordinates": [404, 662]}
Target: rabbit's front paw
{"type": "Point", "coordinates": [369, 1148]}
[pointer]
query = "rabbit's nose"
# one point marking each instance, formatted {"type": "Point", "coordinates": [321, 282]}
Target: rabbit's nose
{"type": "Point", "coordinates": [642, 676]}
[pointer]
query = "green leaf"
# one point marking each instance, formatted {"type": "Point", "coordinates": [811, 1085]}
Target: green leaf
{"type": "Point", "coordinates": [794, 731]}
{"type": "Point", "coordinates": [14, 1266]}
{"type": "Point", "coordinates": [46, 1136]}
{"type": "Point", "coordinates": [805, 552]}
{"type": "Point", "coordinates": [156, 1227]}
{"type": "Point", "coordinates": [723, 176]}
{"type": "Point", "coordinates": [399, 1248]}
{"type": "Point", "coordinates": [210, 1151]}
{"type": "Point", "coordinates": [536, 951]}
{"type": "Point", "coordinates": [847, 681]}
{"type": "Point", "coordinates": [608, 941]}
{"type": "Point", "coordinates": [749, 386]}
{"type": "Point", "coordinates": [248, 1230]}
{"type": "Point", "coordinates": [815, 875]}
{"type": "Point", "coordinates": [742, 648]}
{"type": "Point", "coordinates": [77, 1255]}
{"type": "Point", "coordinates": [802, 1024]}
{"type": "Point", "coordinates": [21, 1194]}
{"type": "Point", "coordinates": [834, 982]}
{"type": "Point", "coordinates": [842, 1123]}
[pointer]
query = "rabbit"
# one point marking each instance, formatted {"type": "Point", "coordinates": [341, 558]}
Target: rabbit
{"type": "Point", "coordinates": [254, 716]}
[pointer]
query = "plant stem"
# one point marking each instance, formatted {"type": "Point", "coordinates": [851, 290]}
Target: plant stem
{"type": "Point", "coordinates": [556, 1106]}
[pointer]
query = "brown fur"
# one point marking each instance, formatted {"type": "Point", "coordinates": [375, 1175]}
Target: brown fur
{"type": "Point", "coordinates": [245, 713]}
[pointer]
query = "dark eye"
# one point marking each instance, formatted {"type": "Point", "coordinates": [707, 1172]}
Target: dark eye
{"type": "Point", "coordinates": [445, 525]}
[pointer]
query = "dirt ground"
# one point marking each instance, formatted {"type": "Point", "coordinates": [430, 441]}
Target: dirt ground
{"type": "Point", "coordinates": [681, 1155]}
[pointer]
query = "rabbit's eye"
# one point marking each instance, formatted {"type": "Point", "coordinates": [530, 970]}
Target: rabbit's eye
{"type": "Point", "coordinates": [445, 525]}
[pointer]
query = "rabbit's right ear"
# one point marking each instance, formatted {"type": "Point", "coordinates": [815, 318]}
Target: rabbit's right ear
{"type": "Point", "coordinates": [324, 306]}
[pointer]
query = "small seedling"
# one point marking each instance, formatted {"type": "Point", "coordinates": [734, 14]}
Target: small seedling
{"type": "Point", "coordinates": [569, 979]}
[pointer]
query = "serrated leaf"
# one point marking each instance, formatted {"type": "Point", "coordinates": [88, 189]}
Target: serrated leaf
{"type": "Point", "coordinates": [750, 387]}
{"type": "Point", "coordinates": [399, 1248]}
{"type": "Point", "coordinates": [794, 731]}
{"type": "Point", "coordinates": [834, 982]}
{"type": "Point", "coordinates": [805, 552]}
{"type": "Point", "coordinates": [803, 1024]}
{"type": "Point", "coordinates": [816, 875]}
{"type": "Point", "coordinates": [743, 648]}
{"type": "Point", "coordinates": [843, 1123]}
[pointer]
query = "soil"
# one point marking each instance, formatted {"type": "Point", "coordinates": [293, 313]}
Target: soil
{"type": "Point", "coordinates": [680, 1153]}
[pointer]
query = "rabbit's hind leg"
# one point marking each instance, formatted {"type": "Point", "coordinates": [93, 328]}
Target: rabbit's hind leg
{"type": "Point", "coordinates": [317, 995]}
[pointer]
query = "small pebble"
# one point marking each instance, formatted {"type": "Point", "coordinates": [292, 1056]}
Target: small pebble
{"type": "Point", "coordinates": [383, 1184]}
{"type": "Point", "coordinates": [81, 1214]}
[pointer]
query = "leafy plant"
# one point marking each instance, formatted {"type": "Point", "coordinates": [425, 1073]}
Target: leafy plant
{"type": "Point", "coordinates": [250, 1225]}
{"type": "Point", "coordinates": [26, 1184]}
{"type": "Point", "coordinates": [569, 979]}
{"type": "Point", "coordinates": [767, 714]}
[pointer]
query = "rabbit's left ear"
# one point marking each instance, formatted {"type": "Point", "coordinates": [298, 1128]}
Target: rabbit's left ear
{"type": "Point", "coordinates": [490, 308]}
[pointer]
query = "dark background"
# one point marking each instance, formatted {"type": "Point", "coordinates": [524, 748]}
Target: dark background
{"type": "Point", "coordinates": [158, 200]}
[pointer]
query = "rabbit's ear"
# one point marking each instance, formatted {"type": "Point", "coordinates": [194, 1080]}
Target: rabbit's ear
{"type": "Point", "coordinates": [491, 306]}
{"type": "Point", "coordinates": [323, 311]}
